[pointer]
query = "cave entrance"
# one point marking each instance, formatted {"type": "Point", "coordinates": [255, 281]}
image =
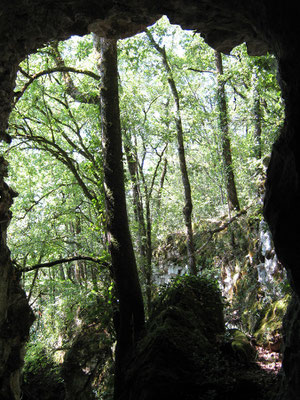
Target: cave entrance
{"type": "Point", "coordinates": [62, 106]}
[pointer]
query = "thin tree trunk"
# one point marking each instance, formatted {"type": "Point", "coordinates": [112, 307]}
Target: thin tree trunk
{"type": "Point", "coordinates": [188, 207]}
{"type": "Point", "coordinates": [232, 198]}
{"type": "Point", "coordinates": [130, 323]}
{"type": "Point", "coordinates": [143, 215]}
{"type": "Point", "coordinates": [162, 181]}
{"type": "Point", "coordinates": [144, 226]}
{"type": "Point", "coordinates": [137, 200]}
{"type": "Point", "coordinates": [257, 115]}
{"type": "Point", "coordinates": [148, 270]}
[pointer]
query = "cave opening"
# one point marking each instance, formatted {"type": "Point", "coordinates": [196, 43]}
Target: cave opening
{"type": "Point", "coordinates": [229, 272]}
{"type": "Point", "coordinates": [282, 175]}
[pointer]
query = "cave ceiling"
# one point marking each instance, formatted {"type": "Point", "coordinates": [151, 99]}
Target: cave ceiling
{"type": "Point", "coordinates": [28, 24]}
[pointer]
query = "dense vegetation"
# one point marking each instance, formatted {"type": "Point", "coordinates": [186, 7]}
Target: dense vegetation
{"type": "Point", "coordinates": [197, 133]}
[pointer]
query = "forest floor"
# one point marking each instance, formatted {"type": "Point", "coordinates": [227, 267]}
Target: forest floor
{"type": "Point", "coordinates": [259, 380]}
{"type": "Point", "coordinates": [268, 361]}
{"type": "Point", "coordinates": [267, 375]}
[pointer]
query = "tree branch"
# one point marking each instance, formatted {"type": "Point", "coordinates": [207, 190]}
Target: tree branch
{"type": "Point", "coordinates": [62, 156]}
{"type": "Point", "coordinates": [61, 261]}
{"type": "Point", "coordinates": [201, 71]}
{"type": "Point", "coordinates": [221, 228]}
{"type": "Point", "coordinates": [71, 88]}
{"type": "Point", "coordinates": [36, 202]}
{"type": "Point", "coordinates": [50, 71]}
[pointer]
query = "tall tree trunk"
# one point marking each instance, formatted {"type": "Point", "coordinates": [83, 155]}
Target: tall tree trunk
{"type": "Point", "coordinates": [79, 265]}
{"type": "Point", "coordinates": [142, 210]}
{"type": "Point", "coordinates": [16, 316]}
{"type": "Point", "coordinates": [148, 269]}
{"type": "Point", "coordinates": [162, 181]}
{"type": "Point", "coordinates": [188, 207]}
{"type": "Point", "coordinates": [144, 225]}
{"type": "Point", "coordinates": [257, 115]}
{"type": "Point", "coordinates": [132, 164]}
{"type": "Point", "coordinates": [232, 198]}
{"type": "Point", "coordinates": [130, 324]}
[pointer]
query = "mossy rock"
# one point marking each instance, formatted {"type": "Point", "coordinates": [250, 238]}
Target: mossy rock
{"type": "Point", "coordinates": [197, 298]}
{"type": "Point", "coordinates": [85, 361]}
{"type": "Point", "coordinates": [42, 376]}
{"type": "Point", "coordinates": [181, 339]}
{"type": "Point", "coordinates": [254, 311]}
{"type": "Point", "coordinates": [241, 347]}
{"type": "Point", "coordinates": [183, 355]}
{"type": "Point", "coordinates": [271, 325]}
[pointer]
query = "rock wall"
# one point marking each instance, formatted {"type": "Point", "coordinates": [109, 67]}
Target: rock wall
{"type": "Point", "coordinates": [181, 341]}
{"type": "Point", "coordinates": [16, 316]}
{"type": "Point", "coordinates": [264, 25]}
{"type": "Point", "coordinates": [290, 383]}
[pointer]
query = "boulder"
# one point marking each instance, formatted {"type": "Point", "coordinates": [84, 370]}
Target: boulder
{"type": "Point", "coordinates": [186, 353]}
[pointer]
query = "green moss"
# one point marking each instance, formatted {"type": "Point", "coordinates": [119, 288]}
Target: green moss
{"type": "Point", "coordinates": [252, 315]}
{"type": "Point", "coordinates": [271, 324]}
{"type": "Point", "coordinates": [42, 376]}
{"type": "Point", "coordinates": [241, 347]}
{"type": "Point", "coordinates": [185, 354]}
{"type": "Point", "coordinates": [194, 299]}
{"type": "Point", "coordinates": [181, 337]}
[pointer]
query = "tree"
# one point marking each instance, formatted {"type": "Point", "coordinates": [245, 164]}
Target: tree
{"type": "Point", "coordinates": [233, 202]}
{"type": "Point", "coordinates": [188, 207]}
{"type": "Point", "coordinates": [142, 198]}
{"type": "Point", "coordinates": [130, 324]}
{"type": "Point", "coordinates": [251, 82]}
{"type": "Point", "coordinates": [257, 115]}
{"type": "Point", "coordinates": [64, 137]}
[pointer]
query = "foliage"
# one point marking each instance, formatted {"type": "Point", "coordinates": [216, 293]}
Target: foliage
{"type": "Point", "coordinates": [203, 285]}
{"type": "Point", "coordinates": [270, 326]}
{"type": "Point", "coordinates": [42, 375]}
{"type": "Point", "coordinates": [193, 292]}
{"type": "Point", "coordinates": [37, 361]}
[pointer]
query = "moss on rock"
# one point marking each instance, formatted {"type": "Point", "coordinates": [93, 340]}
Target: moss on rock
{"type": "Point", "coordinates": [270, 327]}
{"type": "Point", "coordinates": [183, 355]}
{"type": "Point", "coordinates": [182, 336]}
{"type": "Point", "coordinates": [241, 346]}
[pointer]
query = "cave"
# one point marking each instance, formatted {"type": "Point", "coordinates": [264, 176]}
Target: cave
{"type": "Point", "coordinates": [266, 26]}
